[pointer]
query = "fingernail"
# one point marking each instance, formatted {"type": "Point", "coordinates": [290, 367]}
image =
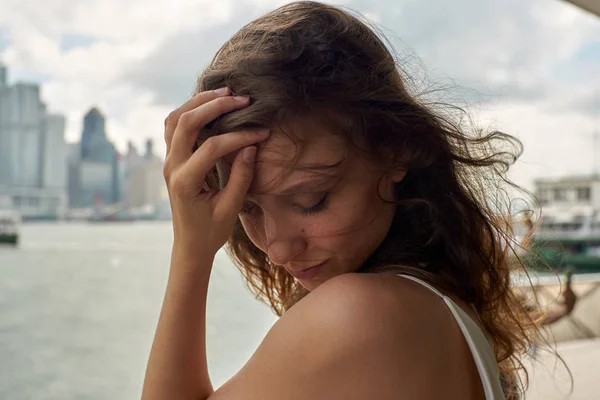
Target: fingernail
{"type": "Point", "coordinates": [249, 154]}
{"type": "Point", "coordinates": [222, 90]}
{"type": "Point", "coordinates": [241, 99]}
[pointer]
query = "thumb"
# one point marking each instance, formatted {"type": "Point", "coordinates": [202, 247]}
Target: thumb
{"type": "Point", "coordinates": [242, 173]}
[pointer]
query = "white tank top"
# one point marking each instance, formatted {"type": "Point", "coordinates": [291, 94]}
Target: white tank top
{"type": "Point", "coordinates": [480, 347]}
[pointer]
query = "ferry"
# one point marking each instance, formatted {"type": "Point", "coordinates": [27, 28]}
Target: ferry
{"type": "Point", "coordinates": [9, 227]}
{"type": "Point", "coordinates": [567, 234]}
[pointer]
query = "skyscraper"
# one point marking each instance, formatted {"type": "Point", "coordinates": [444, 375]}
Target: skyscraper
{"type": "Point", "coordinates": [55, 152]}
{"type": "Point", "coordinates": [93, 137]}
{"type": "Point", "coordinates": [95, 176]}
{"type": "Point", "coordinates": [2, 75]}
{"type": "Point", "coordinates": [20, 135]}
{"type": "Point", "coordinates": [145, 182]}
{"type": "Point", "coordinates": [32, 159]}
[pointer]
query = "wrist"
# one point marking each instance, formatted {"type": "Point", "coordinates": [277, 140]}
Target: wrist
{"type": "Point", "coordinates": [191, 258]}
{"type": "Point", "coordinates": [190, 244]}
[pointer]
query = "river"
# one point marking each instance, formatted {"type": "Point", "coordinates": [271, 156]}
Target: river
{"type": "Point", "coordinates": [79, 305]}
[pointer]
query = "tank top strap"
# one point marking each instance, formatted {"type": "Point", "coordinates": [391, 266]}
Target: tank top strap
{"type": "Point", "coordinates": [478, 343]}
{"type": "Point", "coordinates": [422, 282]}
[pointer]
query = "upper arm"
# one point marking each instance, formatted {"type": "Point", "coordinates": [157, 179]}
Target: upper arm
{"type": "Point", "coordinates": [343, 341]}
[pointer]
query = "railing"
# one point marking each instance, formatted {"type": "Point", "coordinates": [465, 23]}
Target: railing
{"type": "Point", "coordinates": [582, 322]}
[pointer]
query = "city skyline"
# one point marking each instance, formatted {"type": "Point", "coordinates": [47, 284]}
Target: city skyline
{"type": "Point", "coordinates": [43, 177]}
{"type": "Point", "coordinates": [32, 151]}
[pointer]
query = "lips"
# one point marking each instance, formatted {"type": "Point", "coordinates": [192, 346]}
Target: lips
{"type": "Point", "coordinates": [308, 273]}
{"type": "Point", "coordinates": [316, 265]}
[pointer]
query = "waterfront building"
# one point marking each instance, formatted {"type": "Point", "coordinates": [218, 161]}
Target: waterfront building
{"type": "Point", "coordinates": [32, 152]}
{"type": "Point", "coordinates": [95, 171]}
{"type": "Point", "coordinates": [145, 185]}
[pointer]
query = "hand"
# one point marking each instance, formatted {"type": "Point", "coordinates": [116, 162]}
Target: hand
{"type": "Point", "coordinates": [203, 220]}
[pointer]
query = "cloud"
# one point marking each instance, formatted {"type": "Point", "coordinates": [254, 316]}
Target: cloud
{"type": "Point", "coordinates": [527, 67]}
{"type": "Point", "coordinates": [69, 42]}
{"type": "Point", "coordinates": [585, 102]}
{"type": "Point", "coordinates": [555, 143]}
{"type": "Point", "coordinates": [118, 20]}
{"type": "Point", "coordinates": [506, 49]}
{"type": "Point", "coordinates": [170, 71]}
{"type": "Point", "coordinates": [512, 61]}
{"type": "Point", "coordinates": [3, 38]}
{"type": "Point", "coordinates": [503, 50]}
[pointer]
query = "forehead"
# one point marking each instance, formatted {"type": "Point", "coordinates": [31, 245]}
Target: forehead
{"type": "Point", "coordinates": [291, 150]}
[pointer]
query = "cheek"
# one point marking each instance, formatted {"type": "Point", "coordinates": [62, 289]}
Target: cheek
{"type": "Point", "coordinates": [366, 221]}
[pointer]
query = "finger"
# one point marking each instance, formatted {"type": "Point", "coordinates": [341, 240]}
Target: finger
{"type": "Point", "coordinates": [195, 101]}
{"type": "Point", "coordinates": [190, 122]}
{"type": "Point", "coordinates": [216, 147]}
{"type": "Point", "coordinates": [242, 173]}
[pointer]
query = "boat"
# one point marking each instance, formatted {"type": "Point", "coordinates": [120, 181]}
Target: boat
{"type": "Point", "coordinates": [581, 254]}
{"type": "Point", "coordinates": [9, 227]}
{"type": "Point", "coordinates": [567, 234]}
{"type": "Point", "coordinates": [112, 213]}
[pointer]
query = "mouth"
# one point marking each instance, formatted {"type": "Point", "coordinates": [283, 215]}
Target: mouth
{"type": "Point", "coordinates": [308, 273]}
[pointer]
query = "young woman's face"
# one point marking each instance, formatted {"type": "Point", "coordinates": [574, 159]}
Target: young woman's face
{"type": "Point", "coordinates": [333, 219]}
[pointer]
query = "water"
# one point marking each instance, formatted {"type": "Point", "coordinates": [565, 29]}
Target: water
{"type": "Point", "coordinates": [79, 305]}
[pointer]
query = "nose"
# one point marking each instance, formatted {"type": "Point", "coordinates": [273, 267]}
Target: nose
{"type": "Point", "coordinates": [284, 241]}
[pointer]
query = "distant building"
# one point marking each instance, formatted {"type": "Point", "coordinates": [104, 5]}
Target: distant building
{"type": "Point", "coordinates": [119, 176]}
{"type": "Point", "coordinates": [3, 73]}
{"type": "Point", "coordinates": [21, 135]}
{"type": "Point", "coordinates": [73, 159]}
{"type": "Point", "coordinates": [130, 160]}
{"type": "Point", "coordinates": [54, 153]}
{"type": "Point", "coordinates": [94, 173]}
{"type": "Point", "coordinates": [94, 182]}
{"type": "Point", "coordinates": [31, 141]}
{"type": "Point", "coordinates": [93, 132]}
{"type": "Point", "coordinates": [570, 205]}
{"type": "Point", "coordinates": [95, 146]}
{"type": "Point", "coordinates": [145, 182]}
{"type": "Point", "coordinates": [569, 192]}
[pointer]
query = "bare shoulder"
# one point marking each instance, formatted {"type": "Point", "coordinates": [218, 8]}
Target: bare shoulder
{"type": "Point", "coordinates": [357, 336]}
{"type": "Point", "coordinates": [400, 307]}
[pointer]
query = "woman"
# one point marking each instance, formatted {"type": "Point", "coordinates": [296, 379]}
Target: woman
{"type": "Point", "coordinates": [361, 216]}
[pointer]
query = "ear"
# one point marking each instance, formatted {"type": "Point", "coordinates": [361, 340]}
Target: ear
{"type": "Point", "coordinates": [397, 175]}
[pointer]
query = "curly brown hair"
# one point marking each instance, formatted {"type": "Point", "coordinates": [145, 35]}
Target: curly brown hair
{"type": "Point", "coordinates": [450, 227]}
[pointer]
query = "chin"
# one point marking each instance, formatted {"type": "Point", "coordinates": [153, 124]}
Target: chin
{"type": "Point", "coordinates": [312, 279]}
{"type": "Point", "coordinates": [312, 284]}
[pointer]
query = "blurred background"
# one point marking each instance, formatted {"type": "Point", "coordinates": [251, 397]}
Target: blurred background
{"type": "Point", "coordinates": [84, 217]}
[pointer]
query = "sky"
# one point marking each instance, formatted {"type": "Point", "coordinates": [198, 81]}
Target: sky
{"type": "Point", "coordinates": [529, 68]}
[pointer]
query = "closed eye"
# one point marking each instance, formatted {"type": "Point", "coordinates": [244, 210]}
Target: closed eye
{"type": "Point", "coordinates": [250, 208]}
{"type": "Point", "coordinates": [320, 206]}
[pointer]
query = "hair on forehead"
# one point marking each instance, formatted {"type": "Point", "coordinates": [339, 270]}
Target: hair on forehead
{"type": "Point", "coordinates": [279, 153]}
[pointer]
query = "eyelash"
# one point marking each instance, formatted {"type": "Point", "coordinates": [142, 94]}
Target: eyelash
{"type": "Point", "coordinates": [320, 206]}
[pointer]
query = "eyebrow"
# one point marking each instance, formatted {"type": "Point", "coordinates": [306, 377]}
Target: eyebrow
{"type": "Point", "coordinates": [308, 185]}
{"type": "Point", "coordinates": [316, 183]}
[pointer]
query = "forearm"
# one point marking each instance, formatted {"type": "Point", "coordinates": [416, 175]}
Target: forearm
{"type": "Point", "coordinates": [177, 367]}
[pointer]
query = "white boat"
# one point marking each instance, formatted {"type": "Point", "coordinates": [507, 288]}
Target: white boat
{"type": "Point", "coordinates": [9, 226]}
{"type": "Point", "coordinates": [568, 232]}
{"type": "Point", "coordinates": [582, 222]}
